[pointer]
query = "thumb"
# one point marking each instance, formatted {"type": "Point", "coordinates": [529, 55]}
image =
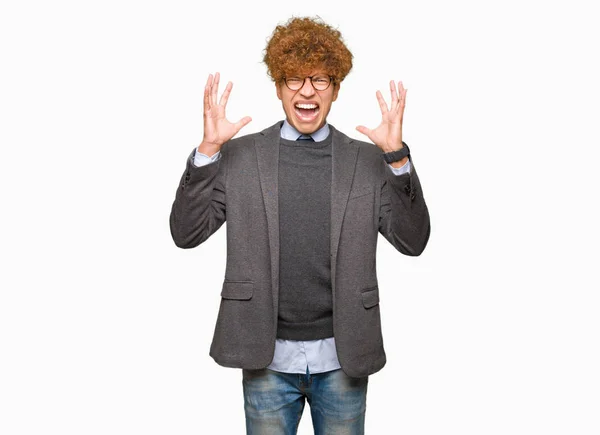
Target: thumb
{"type": "Point", "coordinates": [242, 122]}
{"type": "Point", "coordinates": [364, 130]}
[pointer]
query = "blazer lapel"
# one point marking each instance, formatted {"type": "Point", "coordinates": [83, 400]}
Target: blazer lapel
{"type": "Point", "coordinates": [344, 154]}
{"type": "Point", "coordinates": [267, 154]}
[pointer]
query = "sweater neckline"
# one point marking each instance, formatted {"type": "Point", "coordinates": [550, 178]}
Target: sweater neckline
{"type": "Point", "coordinates": [306, 143]}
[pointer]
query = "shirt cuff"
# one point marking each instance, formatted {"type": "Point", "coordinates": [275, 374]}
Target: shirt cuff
{"type": "Point", "coordinates": [402, 169]}
{"type": "Point", "coordinates": [201, 159]}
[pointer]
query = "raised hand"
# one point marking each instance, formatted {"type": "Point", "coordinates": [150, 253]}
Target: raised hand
{"type": "Point", "coordinates": [388, 135]}
{"type": "Point", "coordinates": [217, 129]}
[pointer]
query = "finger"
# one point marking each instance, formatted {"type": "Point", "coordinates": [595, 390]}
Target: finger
{"type": "Point", "coordinates": [382, 104]}
{"type": "Point", "coordinates": [206, 94]}
{"type": "Point", "coordinates": [394, 95]}
{"type": "Point", "coordinates": [225, 96]}
{"type": "Point", "coordinates": [215, 88]}
{"type": "Point", "coordinates": [402, 96]}
{"type": "Point", "coordinates": [403, 102]}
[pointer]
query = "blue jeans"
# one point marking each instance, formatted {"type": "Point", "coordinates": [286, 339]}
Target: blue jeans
{"type": "Point", "coordinates": [274, 401]}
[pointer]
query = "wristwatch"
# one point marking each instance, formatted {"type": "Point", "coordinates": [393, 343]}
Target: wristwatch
{"type": "Point", "coordinates": [394, 156]}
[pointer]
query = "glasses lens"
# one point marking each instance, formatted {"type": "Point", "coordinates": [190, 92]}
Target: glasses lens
{"type": "Point", "coordinates": [294, 83]}
{"type": "Point", "coordinates": [321, 82]}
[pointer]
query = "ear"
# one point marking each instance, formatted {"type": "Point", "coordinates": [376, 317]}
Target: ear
{"type": "Point", "coordinates": [336, 89]}
{"type": "Point", "coordinates": [278, 87]}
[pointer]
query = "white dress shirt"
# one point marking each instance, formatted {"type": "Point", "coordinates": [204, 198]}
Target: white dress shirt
{"type": "Point", "coordinates": [292, 356]}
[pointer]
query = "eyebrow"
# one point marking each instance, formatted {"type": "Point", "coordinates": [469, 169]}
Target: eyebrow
{"type": "Point", "coordinates": [309, 75]}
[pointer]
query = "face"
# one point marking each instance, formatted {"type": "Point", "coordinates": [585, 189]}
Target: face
{"type": "Point", "coordinates": [315, 105]}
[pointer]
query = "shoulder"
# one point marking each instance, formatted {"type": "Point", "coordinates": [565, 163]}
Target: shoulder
{"type": "Point", "coordinates": [242, 143]}
{"type": "Point", "coordinates": [366, 150]}
{"type": "Point", "coordinates": [369, 149]}
{"type": "Point", "coordinates": [239, 144]}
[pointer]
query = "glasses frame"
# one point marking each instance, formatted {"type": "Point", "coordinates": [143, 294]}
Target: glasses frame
{"type": "Point", "coordinates": [331, 80]}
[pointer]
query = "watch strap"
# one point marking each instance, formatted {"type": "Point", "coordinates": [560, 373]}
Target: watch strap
{"type": "Point", "coordinates": [397, 155]}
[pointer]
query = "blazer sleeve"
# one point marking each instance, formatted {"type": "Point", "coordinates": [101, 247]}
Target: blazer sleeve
{"type": "Point", "coordinates": [199, 207]}
{"type": "Point", "coordinates": [403, 214]}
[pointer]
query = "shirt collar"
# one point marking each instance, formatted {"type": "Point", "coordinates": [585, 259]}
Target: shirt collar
{"type": "Point", "coordinates": [289, 132]}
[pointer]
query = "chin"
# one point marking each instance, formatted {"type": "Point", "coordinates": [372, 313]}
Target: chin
{"type": "Point", "coordinates": [306, 127]}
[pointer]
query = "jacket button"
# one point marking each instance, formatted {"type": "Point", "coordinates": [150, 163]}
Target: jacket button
{"type": "Point", "coordinates": [407, 188]}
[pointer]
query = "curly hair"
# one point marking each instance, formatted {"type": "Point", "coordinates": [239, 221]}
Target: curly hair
{"type": "Point", "coordinates": [305, 44]}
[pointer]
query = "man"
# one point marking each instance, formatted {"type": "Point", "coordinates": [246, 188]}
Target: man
{"type": "Point", "coordinates": [304, 204]}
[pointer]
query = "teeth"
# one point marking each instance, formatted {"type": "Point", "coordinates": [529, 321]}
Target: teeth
{"type": "Point", "coordinates": [306, 106]}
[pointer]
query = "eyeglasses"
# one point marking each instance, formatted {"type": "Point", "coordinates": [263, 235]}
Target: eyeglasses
{"type": "Point", "coordinates": [320, 82]}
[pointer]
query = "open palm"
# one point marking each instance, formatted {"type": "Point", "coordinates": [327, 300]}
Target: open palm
{"type": "Point", "coordinates": [388, 135]}
{"type": "Point", "coordinates": [217, 129]}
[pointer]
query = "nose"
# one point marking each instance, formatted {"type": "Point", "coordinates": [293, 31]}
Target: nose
{"type": "Point", "coordinates": [307, 88]}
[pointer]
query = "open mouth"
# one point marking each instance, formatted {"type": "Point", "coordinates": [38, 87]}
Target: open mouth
{"type": "Point", "coordinates": [306, 112]}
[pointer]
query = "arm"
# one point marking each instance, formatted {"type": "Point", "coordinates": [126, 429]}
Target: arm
{"type": "Point", "coordinates": [199, 207]}
{"type": "Point", "coordinates": [403, 215]}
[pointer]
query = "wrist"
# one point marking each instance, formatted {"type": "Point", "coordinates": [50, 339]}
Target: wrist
{"type": "Point", "coordinates": [390, 148]}
{"type": "Point", "coordinates": [399, 163]}
{"type": "Point", "coordinates": [397, 157]}
{"type": "Point", "coordinates": [208, 148]}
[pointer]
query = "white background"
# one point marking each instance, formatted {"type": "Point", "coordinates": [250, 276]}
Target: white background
{"type": "Point", "coordinates": [105, 325]}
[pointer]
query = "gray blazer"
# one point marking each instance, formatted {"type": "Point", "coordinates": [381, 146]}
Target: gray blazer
{"type": "Point", "coordinates": [241, 187]}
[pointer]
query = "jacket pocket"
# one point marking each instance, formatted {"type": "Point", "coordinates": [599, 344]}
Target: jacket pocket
{"type": "Point", "coordinates": [239, 290]}
{"type": "Point", "coordinates": [370, 297]}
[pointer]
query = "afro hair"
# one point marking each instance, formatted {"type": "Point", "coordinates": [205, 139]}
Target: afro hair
{"type": "Point", "coordinates": [303, 45]}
